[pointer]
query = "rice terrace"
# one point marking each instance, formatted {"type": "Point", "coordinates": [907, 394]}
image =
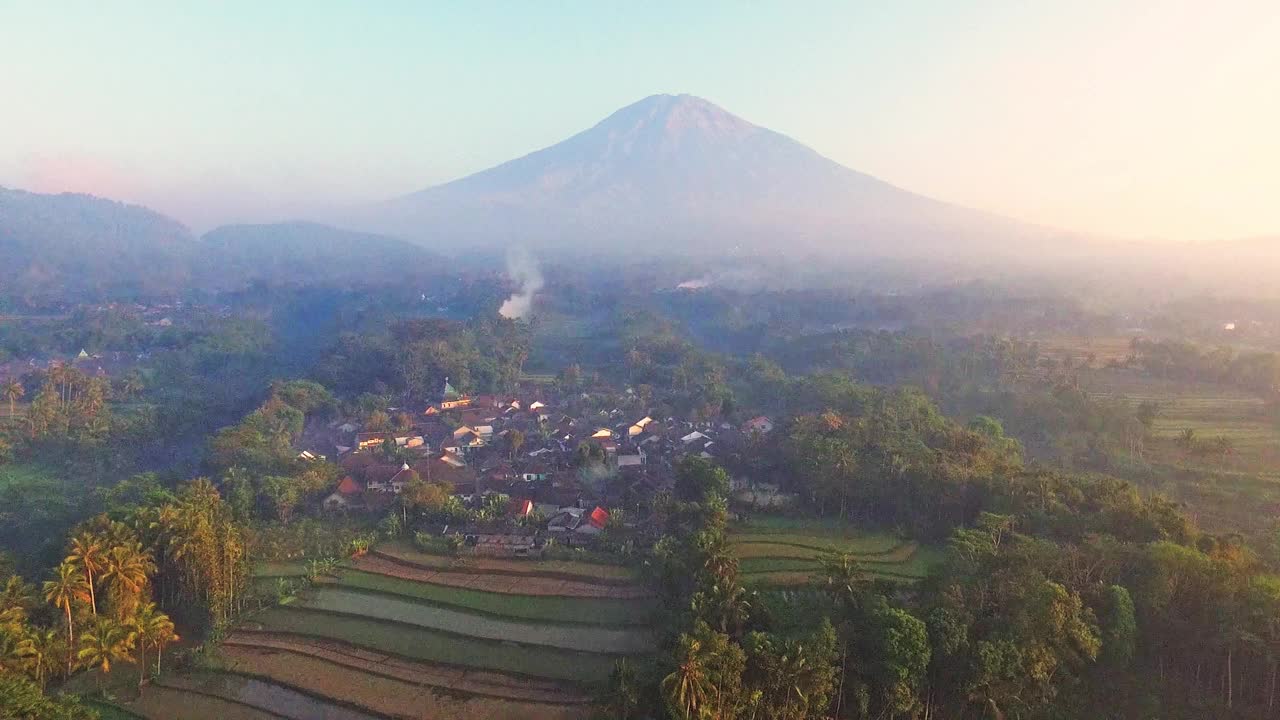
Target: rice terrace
{"type": "Point", "coordinates": [785, 552]}
{"type": "Point", "coordinates": [399, 633]}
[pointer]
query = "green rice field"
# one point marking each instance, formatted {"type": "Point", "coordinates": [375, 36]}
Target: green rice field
{"type": "Point", "coordinates": [785, 552]}
{"type": "Point", "coordinates": [583, 611]}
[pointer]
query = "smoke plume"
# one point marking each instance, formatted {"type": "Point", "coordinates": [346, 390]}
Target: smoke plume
{"type": "Point", "coordinates": [523, 269]}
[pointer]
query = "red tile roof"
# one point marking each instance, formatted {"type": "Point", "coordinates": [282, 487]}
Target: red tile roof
{"type": "Point", "coordinates": [599, 517]}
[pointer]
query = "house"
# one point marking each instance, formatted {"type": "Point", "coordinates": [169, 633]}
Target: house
{"type": "Point", "coordinates": [574, 521]}
{"type": "Point", "coordinates": [379, 480]}
{"type": "Point", "coordinates": [345, 496]}
{"type": "Point", "coordinates": [693, 437]}
{"type": "Point", "coordinates": [366, 440]}
{"type": "Point", "coordinates": [511, 544]}
{"type": "Point", "coordinates": [602, 434]}
{"type": "Point", "coordinates": [760, 424]}
{"type": "Point", "coordinates": [639, 426]}
{"type": "Point", "coordinates": [629, 459]}
{"type": "Point", "coordinates": [520, 507]}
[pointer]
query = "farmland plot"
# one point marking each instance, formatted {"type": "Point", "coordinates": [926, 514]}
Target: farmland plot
{"type": "Point", "coordinates": [597, 611]}
{"type": "Point", "coordinates": [556, 584]}
{"type": "Point", "coordinates": [385, 695]}
{"type": "Point", "coordinates": [403, 610]}
{"type": "Point", "coordinates": [420, 643]}
{"type": "Point", "coordinates": [788, 552]}
{"type": "Point", "coordinates": [275, 699]}
{"type": "Point", "coordinates": [164, 703]}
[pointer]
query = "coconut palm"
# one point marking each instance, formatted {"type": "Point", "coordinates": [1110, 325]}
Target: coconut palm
{"type": "Point", "coordinates": [16, 598]}
{"type": "Point", "coordinates": [126, 571]}
{"type": "Point", "coordinates": [13, 392]}
{"type": "Point", "coordinates": [155, 629]}
{"type": "Point", "coordinates": [105, 643]}
{"type": "Point", "coordinates": [65, 590]}
{"type": "Point", "coordinates": [12, 658]}
{"type": "Point", "coordinates": [131, 384]}
{"type": "Point", "coordinates": [726, 606]}
{"type": "Point", "coordinates": [87, 554]}
{"type": "Point", "coordinates": [687, 688]}
{"type": "Point", "coordinates": [42, 651]}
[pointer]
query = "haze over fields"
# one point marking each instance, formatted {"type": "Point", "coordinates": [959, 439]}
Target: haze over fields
{"type": "Point", "coordinates": [1122, 120]}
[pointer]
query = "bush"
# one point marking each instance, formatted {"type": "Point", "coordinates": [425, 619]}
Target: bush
{"type": "Point", "coordinates": [437, 544]}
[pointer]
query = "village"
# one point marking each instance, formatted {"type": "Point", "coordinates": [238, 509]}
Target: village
{"type": "Point", "coordinates": [549, 474]}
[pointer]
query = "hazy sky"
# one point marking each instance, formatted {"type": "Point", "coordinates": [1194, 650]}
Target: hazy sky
{"type": "Point", "coordinates": [1130, 118]}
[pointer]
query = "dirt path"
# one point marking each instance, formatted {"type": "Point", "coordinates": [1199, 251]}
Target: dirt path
{"type": "Point", "coordinates": [478, 579]}
{"type": "Point", "coordinates": [246, 645]}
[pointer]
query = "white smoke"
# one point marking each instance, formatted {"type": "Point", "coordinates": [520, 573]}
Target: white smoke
{"type": "Point", "coordinates": [523, 269]}
{"type": "Point", "coordinates": [695, 283]}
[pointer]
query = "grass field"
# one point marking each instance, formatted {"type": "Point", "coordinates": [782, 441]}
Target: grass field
{"type": "Point", "coordinates": [784, 552]}
{"type": "Point", "coordinates": [586, 611]}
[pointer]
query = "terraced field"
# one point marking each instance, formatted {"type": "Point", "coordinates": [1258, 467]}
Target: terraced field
{"type": "Point", "coordinates": [403, 634]}
{"type": "Point", "coordinates": [1238, 491]}
{"type": "Point", "coordinates": [1210, 410]}
{"type": "Point", "coordinates": [785, 552]}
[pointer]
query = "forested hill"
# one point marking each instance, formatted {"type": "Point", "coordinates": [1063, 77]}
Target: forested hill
{"type": "Point", "coordinates": [69, 248]}
{"type": "Point", "coordinates": [55, 246]}
{"type": "Point", "coordinates": [300, 252]}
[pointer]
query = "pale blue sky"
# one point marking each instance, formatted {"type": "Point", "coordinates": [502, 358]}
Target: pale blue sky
{"type": "Point", "coordinates": [1127, 117]}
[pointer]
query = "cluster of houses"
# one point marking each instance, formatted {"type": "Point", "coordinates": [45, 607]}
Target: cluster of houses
{"type": "Point", "coordinates": [524, 448]}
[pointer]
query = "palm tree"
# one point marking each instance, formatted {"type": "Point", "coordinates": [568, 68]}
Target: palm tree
{"type": "Point", "coordinates": [844, 576]}
{"type": "Point", "coordinates": [13, 392]}
{"type": "Point", "coordinates": [65, 589]}
{"type": "Point", "coordinates": [16, 597]}
{"type": "Point", "coordinates": [726, 606]}
{"type": "Point", "coordinates": [126, 571]}
{"type": "Point", "coordinates": [87, 554]}
{"type": "Point", "coordinates": [152, 628]}
{"type": "Point", "coordinates": [131, 384]}
{"type": "Point", "coordinates": [158, 630]}
{"type": "Point", "coordinates": [12, 656]}
{"type": "Point", "coordinates": [42, 650]}
{"type": "Point", "coordinates": [106, 642]}
{"type": "Point", "coordinates": [686, 689]}
{"type": "Point", "coordinates": [149, 627]}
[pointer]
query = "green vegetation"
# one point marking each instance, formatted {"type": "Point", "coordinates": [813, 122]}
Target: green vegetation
{"type": "Point", "coordinates": [588, 611]}
{"type": "Point", "coordinates": [391, 608]}
{"type": "Point", "coordinates": [419, 643]}
{"type": "Point", "coordinates": [593, 572]}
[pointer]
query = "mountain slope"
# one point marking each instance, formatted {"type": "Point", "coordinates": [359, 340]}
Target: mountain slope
{"type": "Point", "coordinates": [669, 170]}
{"type": "Point", "coordinates": [79, 247]}
{"type": "Point", "coordinates": [300, 253]}
{"type": "Point", "coordinates": [55, 245]}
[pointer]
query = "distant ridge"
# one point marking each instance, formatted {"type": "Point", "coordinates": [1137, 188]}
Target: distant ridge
{"type": "Point", "coordinates": [671, 170]}
{"type": "Point", "coordinates": [73, 246]}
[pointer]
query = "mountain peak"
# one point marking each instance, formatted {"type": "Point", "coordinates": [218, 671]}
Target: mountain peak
{"type": "Point", "coordinates": [676, 114]}
{"type": "Point", "coordinates": [670, 172]}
